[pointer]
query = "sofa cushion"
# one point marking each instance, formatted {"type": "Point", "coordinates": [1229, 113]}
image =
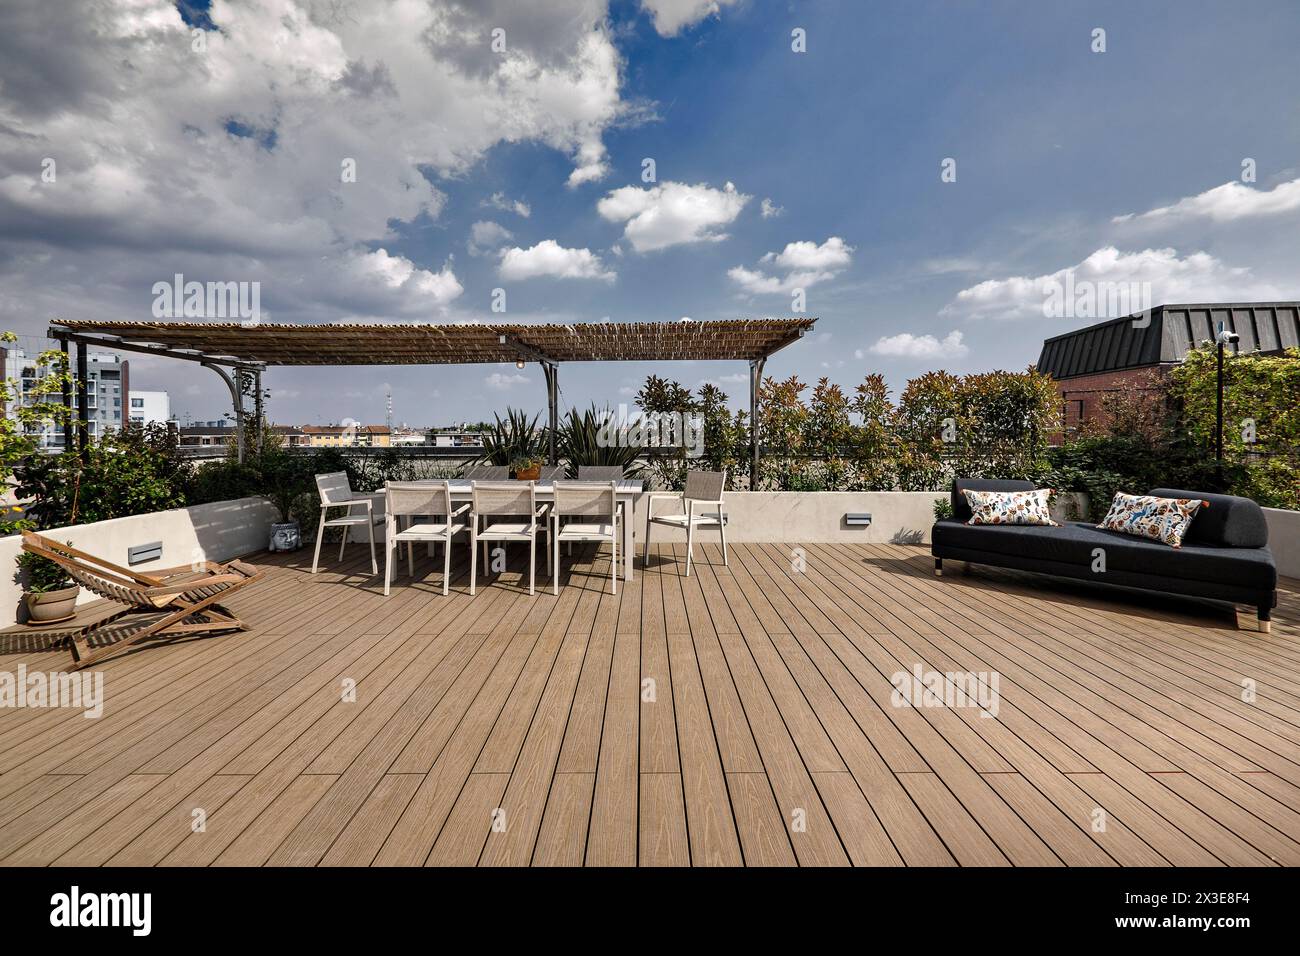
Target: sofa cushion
{"type": "Point", "coordinates": [1229, 521]}
{"type": "Point", "coordinates": [1009, 507]}
{"type": "Point", "coordinates": [1073, 543]}
{"type": "Point", "coordinates": [1149, 516]}
{"type": "Point", "coordinates": [961, 507]}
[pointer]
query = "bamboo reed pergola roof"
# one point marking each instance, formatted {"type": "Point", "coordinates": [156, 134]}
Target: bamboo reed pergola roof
{"type": "Point", "coordinates": [427, 344]}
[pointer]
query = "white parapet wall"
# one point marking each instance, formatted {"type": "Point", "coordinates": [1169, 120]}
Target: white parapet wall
{"type": "Point", "coordinates": [812, 516]}
{"type": "Point", "coordinates": [213, 532]}
{"type": "Point", "coordinates": [1284, 540]}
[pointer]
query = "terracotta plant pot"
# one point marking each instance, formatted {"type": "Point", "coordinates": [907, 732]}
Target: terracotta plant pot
{"type": "Point", "coordinates": [50, 607]}
{"type": "Point", "coordinates": [529, 474]}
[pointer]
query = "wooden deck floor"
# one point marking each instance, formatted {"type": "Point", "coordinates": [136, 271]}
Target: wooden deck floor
{"type": "Point", "coordinates": [742, 715]}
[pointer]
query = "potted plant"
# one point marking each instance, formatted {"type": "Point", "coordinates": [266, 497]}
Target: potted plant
{"type": "Point", "coordinates": [284, 482]}
{"type": "Point", "coordinates": [527, 468]}
{"type": "Point", "coordinates": [48, 592]}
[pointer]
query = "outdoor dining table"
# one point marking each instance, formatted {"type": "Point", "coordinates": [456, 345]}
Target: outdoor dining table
{"type": "Point", "coordinates": [628, 492]}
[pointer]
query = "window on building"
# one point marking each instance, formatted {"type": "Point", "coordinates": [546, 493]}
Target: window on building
{"type": "Point", "coordinates": [137, 403]}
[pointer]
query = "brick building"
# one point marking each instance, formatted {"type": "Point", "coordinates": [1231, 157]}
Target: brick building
{"type": "Point", "coordinates": [1133, 351]}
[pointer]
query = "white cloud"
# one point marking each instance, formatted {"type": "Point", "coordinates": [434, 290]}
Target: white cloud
{"type": "Point", "coordinates": [485, 236]}
{"type": "Point", "coordinates": [672, 16]}
{"type": "Point", "coordinates": [907, 345]}
{"type": "Point", "coordinates": [1227, 203]}
{"type": "Point", "coordinates": [769, 209]}
{"type": "Point", "coordinates": [805, 264]}
{"type": "Point", "coordinates": [832, 255]}
{"type": "Point", "coordinates": [1197, 277]}
{"type": "Point", "coordinates": [502, 381]}
{"type": "Point", "coordinates": [506, 204]}
{"type": "Point", "coordinates": [670, 213]}
{"type": "Point", "coordinates": [549, 258]}
{"type": "Point", "coordinates": [234, 163]}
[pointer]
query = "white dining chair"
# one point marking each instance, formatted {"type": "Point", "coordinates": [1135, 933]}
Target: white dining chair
{"type": "Point", "coordinates": [336, 492]}
{"type": "Point", "coordinates": [505, 511]}
{"type": "Point", "coordinates": [703, 489]}
{"type": "Point", "coordinates": [413, 500]}
{"type": "Point", "coordinates": [592, 511]}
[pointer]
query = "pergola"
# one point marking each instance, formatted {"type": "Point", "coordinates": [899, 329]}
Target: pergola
{"type": "Point", "coordinates": [246, 350]}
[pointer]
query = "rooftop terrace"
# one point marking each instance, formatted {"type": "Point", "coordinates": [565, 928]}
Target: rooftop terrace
{"type": "Point", "coordinates": [741, 715]}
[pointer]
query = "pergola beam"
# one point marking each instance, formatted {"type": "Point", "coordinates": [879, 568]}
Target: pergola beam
{"type": "Point", "coordinates": [119, 344]}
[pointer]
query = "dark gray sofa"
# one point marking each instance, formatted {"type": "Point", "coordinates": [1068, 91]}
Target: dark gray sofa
{"type": "Point", "coordinates": [1224, 555]}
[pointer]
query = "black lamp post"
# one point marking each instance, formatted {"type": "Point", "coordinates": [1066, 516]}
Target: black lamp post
{"type": "Point", "coordinates": [1222, 339]}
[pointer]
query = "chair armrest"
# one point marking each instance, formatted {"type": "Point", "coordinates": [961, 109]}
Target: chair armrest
{"type": "Point", "coordinates": [460, 511]}
{"type": "Point", "coordinates": [541, 512]}
{"type": "Point", "coordinates": [660, 496]}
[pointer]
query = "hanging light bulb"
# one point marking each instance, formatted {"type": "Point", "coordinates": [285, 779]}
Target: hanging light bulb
{"type": "Point", "coordinates": [519, 364]}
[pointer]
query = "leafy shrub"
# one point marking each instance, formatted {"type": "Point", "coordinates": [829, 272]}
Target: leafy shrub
{"type": "Point", "coordinates": [133, 471]}
{"type": "Point", "coordinates": [39, 574]}
{"type": "Point", "coordinates": [515, 439]}
{"type": "Point", "coordinates": [580, 442]}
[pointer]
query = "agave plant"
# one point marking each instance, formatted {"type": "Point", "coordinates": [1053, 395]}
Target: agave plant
{"type": "Point", "coordinates": [583, 439]}
{"type": "Point", "coordinates": [512, 440]}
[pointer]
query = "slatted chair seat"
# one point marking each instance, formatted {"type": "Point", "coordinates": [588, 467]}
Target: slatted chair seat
{"type": "Point", "coordinates": [170, 602]}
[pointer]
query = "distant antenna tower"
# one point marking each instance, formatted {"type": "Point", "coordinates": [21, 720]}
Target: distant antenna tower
{"type": "Point", "coordinates": [389, 420]}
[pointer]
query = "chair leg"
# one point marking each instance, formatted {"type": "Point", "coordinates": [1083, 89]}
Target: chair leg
{"type": "Point", "coordinates": [555, 568]}
{"type": "Point", "coordinates": [320, 536]}
{"type": "Point", "coordinates": [722, 531]}
{"type": "Point", "coordinates": [613, 559]}
{"type": "Point", "coordinates": [1265, 617]}
{"type": "Point", "coordinates": [388, 563]}
{"type": "Point", "coordinates": [446, 563]}
{"type": "Point", "coordinates": [532, 564]}
{"type": "Point", "coordinates": [690, 542]}
{"type": "Point", "coordinates": [645, 555]}
{"type": "Point", "coordinates": [473, 562]}
{"type": "Point", "coordinates": [938, 567]}
{"type": "Point", "coordinates": [374, 567]}
{"type": "Point", "coordinates": [410, 558]}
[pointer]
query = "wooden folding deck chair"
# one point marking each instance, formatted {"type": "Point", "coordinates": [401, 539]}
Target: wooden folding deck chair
{"type": "Point", "coordinates": [170, 602]}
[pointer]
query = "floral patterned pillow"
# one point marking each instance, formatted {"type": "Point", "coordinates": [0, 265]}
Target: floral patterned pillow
{"type": "Point", "coordinates": [1163, 519]}
{"type": "Point", "coordinates": [1009, 507]}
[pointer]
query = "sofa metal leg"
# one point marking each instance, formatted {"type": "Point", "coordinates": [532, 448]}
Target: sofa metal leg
{"type": "Point", "coordinates": [938, 567]}
{"type": "Point", "coordinates": [1265, 620]}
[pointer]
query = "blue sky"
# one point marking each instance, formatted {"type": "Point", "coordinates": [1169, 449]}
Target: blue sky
{"type": "Point", "coordinates": [1122, 166]}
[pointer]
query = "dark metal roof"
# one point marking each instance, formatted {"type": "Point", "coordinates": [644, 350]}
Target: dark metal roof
{"type": "Point", "coordinates": [1171, 332]}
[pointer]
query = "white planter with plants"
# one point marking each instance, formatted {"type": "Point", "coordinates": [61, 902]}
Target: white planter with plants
{"type": "Point", "coordinates": [49, 595]}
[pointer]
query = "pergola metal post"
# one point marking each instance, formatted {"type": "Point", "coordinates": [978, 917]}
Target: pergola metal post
{"type": "Point", "coordinates": [67, 396]}
{"type": "Point", "coordinates": [83, 399]}
{"type": "Point", "coordinates": [258, 409]}
{"type": "Point", "coordinates": [551, 371]}
{"type": "Point", "coordinates": [755, 379]}
{"type": "Point", "coordinates": [238, 401]}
